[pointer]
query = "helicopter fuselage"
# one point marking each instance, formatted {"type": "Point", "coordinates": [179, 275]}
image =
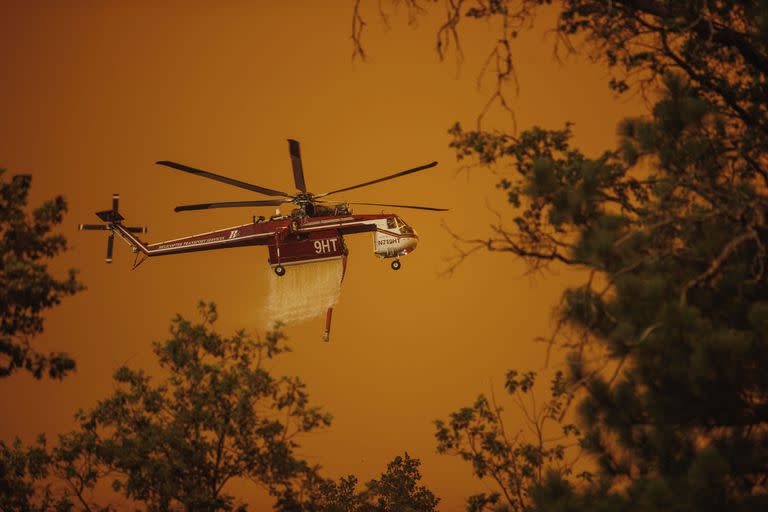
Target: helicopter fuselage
{"type": "Point", "coordinates": [291, 240]}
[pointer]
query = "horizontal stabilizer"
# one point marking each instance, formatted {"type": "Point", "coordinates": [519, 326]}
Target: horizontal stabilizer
{"type": "Point", "coordinates": [92, 227]}
{"type": "Point", "coordinates": [109, 216]}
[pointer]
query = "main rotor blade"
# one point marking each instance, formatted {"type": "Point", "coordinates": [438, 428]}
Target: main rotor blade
{"type": "Point", "coordinates": [406, 206]}
{"type": "Point", "coordinates": [115, 202]}
{"type": "Point", "coordinates": [230, 204]}
{"type": "Point", "coordinates": [396, 175]}
{"type": "Point", "coordinates": [92, 227]}
{"type": "Point", "coordinates": [223, 179]}
{"type": "Point", "coordinates": [298, 169]}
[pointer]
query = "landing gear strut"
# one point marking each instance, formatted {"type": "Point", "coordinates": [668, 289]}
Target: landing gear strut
{"type": "Point", "coordinates": [396, 265]}
{"type": "Point", "coordinates": [280, 270]}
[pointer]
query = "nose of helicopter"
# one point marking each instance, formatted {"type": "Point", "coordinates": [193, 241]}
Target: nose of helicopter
{"type": "Point", "coordinates": [411, 242]}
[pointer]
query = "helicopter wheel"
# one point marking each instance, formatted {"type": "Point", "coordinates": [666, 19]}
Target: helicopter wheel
{"type": "Point", "coordinates": [280, 270]}
{"type": "Point", "coordinates": [396, 265]}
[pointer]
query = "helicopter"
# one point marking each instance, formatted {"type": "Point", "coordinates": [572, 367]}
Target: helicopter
{"type": "Point", "coordinates": [313, 231]}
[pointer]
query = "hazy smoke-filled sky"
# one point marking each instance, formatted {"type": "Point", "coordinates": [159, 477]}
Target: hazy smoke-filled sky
{"type": "Point", "coordinates": [92, 93]}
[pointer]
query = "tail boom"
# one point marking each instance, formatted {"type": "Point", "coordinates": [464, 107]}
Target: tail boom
{"type": "Point", "coordinates": [236, 236]}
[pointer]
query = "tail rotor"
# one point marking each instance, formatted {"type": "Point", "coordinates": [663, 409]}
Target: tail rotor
{"type": "Point", "coordinates": [111, 219]}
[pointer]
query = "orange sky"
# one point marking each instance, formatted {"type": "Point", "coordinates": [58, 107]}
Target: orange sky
{"type": "Point", "coordinates": [94, 92]}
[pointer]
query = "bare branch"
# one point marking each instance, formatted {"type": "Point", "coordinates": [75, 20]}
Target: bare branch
{"type": "Point", "coordinates": [358, 25]}
{"type": "Point", "coordinates": [729, 248]}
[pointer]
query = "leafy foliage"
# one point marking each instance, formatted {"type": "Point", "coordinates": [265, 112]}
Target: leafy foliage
{"type": "Point", "coordinates": [676, 226]}
{"type": "Point", "coordinates": [20, 469]}
{"type": "Point", "coordinates": [515, 461]}
{"type": "Point", "coordinates": [217, 415]}
{"type": "Point", "coordinates": [27, 288]}
{"type": "Point", "coordinates": [35, 478]}
{"type": "Point", "coordinates": [397, 490]}
{"type": "Point", "coordinates": [671, 227]}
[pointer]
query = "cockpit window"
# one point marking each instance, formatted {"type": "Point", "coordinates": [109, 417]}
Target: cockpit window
{"type": "Point", "coordinates": [397, 224]}
{"type": "Point", "coordinates": [404, 228]}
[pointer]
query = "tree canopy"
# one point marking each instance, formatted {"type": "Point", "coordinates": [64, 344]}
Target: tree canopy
{"type": "Point", "coordinates": [175, 441]}
{"type": "Point", "coordinates": [676, 298]}
{"type": "Point", "coordinates": [398, 489]}
{"type": "Point", "coordinates": [515, 460]}
{"type": "Point", "coordinates": [218, 414]}
{"type": "Point", "coordinates": [27, 287]}
{"type": "Point", "coordinates": [666, 337]}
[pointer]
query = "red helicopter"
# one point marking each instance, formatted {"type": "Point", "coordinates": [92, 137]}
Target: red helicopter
{"type": "Point", "coordinates": [313, 231]}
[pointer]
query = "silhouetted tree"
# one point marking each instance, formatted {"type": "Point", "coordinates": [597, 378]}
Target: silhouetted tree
{"type": "Point", "coordinates": [21, 469]}
{"type": "Point", "coordinates": [175, 442]}
{"type": "Point", "coordinates": [27, 288]}
{"type": "Point", "coordinates": [671, 228]}
{"type": "Point", "coordinates": [35, 478]}
{"type": "Point", "coordinates": [218, 413]}
{"type": "Point", "coordinates": [397, 490]}
{"type": "Point", "coordinates": [515, 458]}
